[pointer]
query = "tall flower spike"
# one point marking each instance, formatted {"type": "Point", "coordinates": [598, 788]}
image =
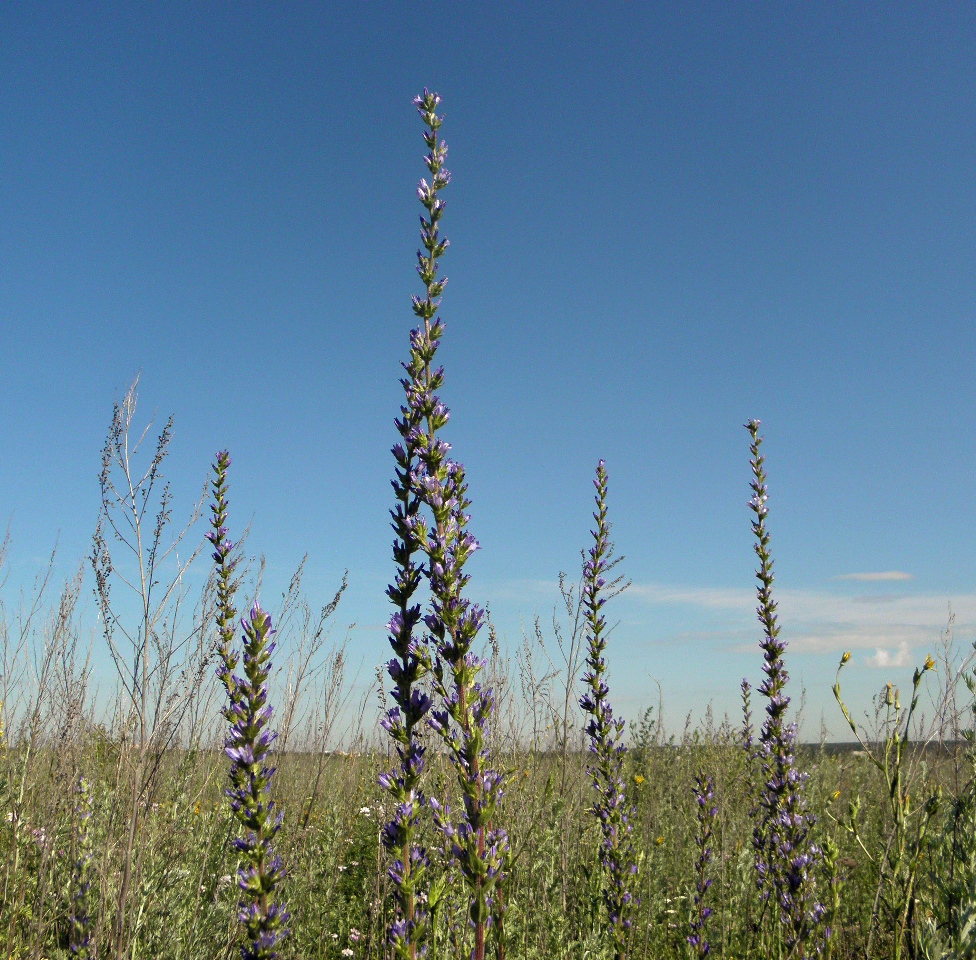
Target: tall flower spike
{"type": "Point", "coordinates": [248, 743]}
{"type": "Point", "coordinates": [784, 857]}
{"type": "Point", "coordinates": [224, 572]}
{"type": "Point", "coordinates": [418, 423]}
{"type": "Point", "coordinates": [80, 936]}
{"type": "Point", "coordinates": [249, 747]}
{"type": "Point", "coordinates": [705, 814]}
{"type": "Point", "coordinates": [611, 808]}
{"type": "Point", "coordinates": [428, 479]}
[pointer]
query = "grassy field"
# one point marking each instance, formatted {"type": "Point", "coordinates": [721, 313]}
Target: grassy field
{"type": "Point", "coordinates": [182, 901]}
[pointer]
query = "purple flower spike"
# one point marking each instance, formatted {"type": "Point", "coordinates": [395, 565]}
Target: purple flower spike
{"type": "Point", "coordinates": [605, 733]}
{"type": "Point", "coordinates": [421, 416]}
{"type": "Point", "coordinates": [81, 923]}
{"type": "Point", "coordinates": [427, 481]}
{"type": "Point", "coordinates": [704, 794]}
{"type": "Point", "coordinates": [248, 744]}
{"type": "Point", "coordinates": [785, 859]}
{"type": "Point", "coordinates": [248, 747]}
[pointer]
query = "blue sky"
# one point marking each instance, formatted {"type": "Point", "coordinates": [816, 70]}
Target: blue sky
{"type": "Point", "coordinates": [665, 219]}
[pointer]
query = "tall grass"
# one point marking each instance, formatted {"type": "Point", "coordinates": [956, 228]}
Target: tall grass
{"type": "Point", "coordinates": [461, 819]}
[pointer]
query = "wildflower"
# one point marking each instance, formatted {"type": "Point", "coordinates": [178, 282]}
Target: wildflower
{"type": "Point", "coordinates": [605, 733]}
{"type": "Point", "coordinates": [408, 929]}
{"type": "Point", "coordinates": [704, 791]}
{"type": "Point", "coordinates": [226, 563]}
{"type": "Point", "coordinates": [427, 477]}
{"type": "Point", "coordinates": [784, 856]}
{"type": "Point", "coordinates": [80, 936]}
{"type": "Point", "coordinates": [638, 779]}
{"type": "Point", "coordinates": [346, 952]}
{"type": "Point", "coordinates": [248, 745]}
{"type": "Point", "coordinates": [659, 841]}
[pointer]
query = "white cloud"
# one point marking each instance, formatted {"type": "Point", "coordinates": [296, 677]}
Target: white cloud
{"type": "Point", "coordinates": [879, 577]}
{"type": "Point", "coordinates": [713, 597]}
{"type": "Point", "coordinates": [822, 622]}
{"type": "Point", "coordinates": [887, 658]}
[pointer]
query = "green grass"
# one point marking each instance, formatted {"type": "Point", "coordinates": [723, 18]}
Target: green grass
{"type": "Point", "coordinates": [182, 903]}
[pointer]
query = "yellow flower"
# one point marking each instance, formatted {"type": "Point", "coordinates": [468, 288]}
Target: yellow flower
{"type": "Point", "coordinates": [929, 663]}
{"type": "Point", "coordinates": [835, 795]}
{"type": "Point", "coordinates": [196, 809]}
{"type": "Point", "coordinates": [638, 779]}
{"type": "Point", "coordinates": [846, 657]}
{"type": "Point", "coordinates": [659, 841]}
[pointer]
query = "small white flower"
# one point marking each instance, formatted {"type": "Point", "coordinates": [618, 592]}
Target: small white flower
{"type": "Point", "coordinates": [347, 952]}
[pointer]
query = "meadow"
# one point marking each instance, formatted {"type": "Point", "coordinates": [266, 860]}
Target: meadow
{"type": "Point", "coordinates": [229, 798]}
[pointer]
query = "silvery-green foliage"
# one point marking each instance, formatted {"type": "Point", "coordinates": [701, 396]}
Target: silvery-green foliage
{"type": "Point", "coordinates": [961, 945]}
{"type": "Point", "coordinates": [949, 932]}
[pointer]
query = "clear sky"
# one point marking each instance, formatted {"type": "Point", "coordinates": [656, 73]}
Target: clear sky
{"type": "Point", "coordinates": [665, 219]}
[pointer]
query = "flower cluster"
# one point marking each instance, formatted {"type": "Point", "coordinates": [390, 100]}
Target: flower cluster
{"type": "Point", "coordinates": [784, 856]}
{"type": "Point", "coordinates": [606, 733]}
{"type": "Point", "coordinates": [428, 478]}
{"type": "Point", "coordinates": [421, 416]}
{"type": "Point", "coordinates": [706, 813]}
{"type": "Point", "coordinates": [80, 936]}
{"type": "Point", "coordinates": [248, 745]}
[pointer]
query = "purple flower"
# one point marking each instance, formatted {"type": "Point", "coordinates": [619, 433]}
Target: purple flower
{"type": "Point", "coordinates": [606, 733]}
{"type": "Point", "coordinates": [419, 456]}
{"type": "Point", "coordinates": [429, 522]}
{"type": "Point", "coordinates": [248, 745]}
{"type": "Point", "coordinates": [80, 935]}
{"type": "Point", "coordinates": [784, 856]}
{"type": "Point", "coordinates": [706, 813]}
